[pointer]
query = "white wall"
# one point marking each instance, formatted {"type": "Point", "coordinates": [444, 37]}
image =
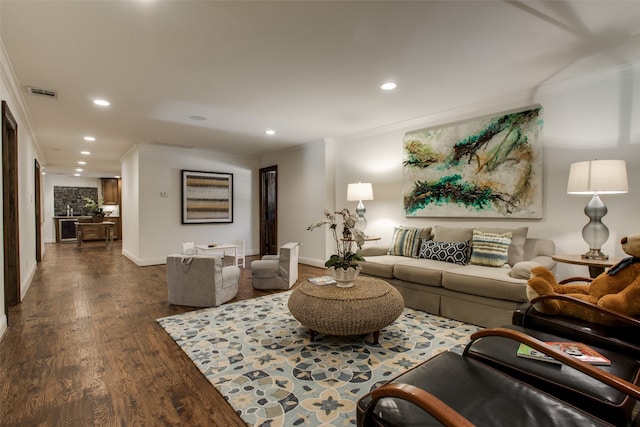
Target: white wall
{"type": "Point", "coordinates": [28, 151]}
{"type": "Point", "coordinates": [594, 117]}
{"type": "Point", "coordinates": [130, 199]}
{"type": "Point", "coordinates": [50, 181]}
{"type": "Point", "coordinates": [159, 230]}
{"type": "Point", "coordinates": [305, 189]}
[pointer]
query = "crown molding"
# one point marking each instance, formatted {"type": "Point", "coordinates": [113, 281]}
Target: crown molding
{"type": "Point", "coordinates": [510, 102]}
{"type": "Point", "coordinates": [9, 79]}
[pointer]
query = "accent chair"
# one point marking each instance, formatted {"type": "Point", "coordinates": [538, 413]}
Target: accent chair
{"type": "Point", "coordinates": [200, 280]}
{"type": "Point", "coordinates": [276, 271]}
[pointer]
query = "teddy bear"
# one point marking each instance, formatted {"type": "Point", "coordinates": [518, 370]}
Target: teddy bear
{"type": "Point", "coordinates": [617, 289]}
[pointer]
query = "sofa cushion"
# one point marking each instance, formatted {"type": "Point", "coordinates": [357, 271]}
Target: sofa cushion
{"type": "Point", "coordinates": [405, 241]}
{"type": "Point", "coordinates": [454, 252]}
{"type": "Point", "coordinates": [522, 270]}
{"type": "Point", "coordinates": [518, 238]}
{"type": "Point", "coordinates": [422, 271]}
{"type": "Point", "coordinates": [486, 282]}
{"type": "Point", "coordinates": [452, 234]}
{"type": "Point", "coordinates": [490, 249]}
{"type": "Point", "coordinates": [381, 266]}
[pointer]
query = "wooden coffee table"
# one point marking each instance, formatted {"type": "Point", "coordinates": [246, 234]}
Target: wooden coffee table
{"type": "Point", "coordinates": [368, 306]}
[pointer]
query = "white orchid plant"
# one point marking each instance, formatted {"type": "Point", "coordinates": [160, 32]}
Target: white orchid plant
{"type": "Point", "coordinates": [344, 257]}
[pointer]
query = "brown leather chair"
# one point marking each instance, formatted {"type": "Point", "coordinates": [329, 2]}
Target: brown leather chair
{"type": "Point", "coordinates": [455, 390]}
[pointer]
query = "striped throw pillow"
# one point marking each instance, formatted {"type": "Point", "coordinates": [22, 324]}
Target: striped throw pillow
{"type": "Point", "coordinates": [405, 241]}
{"type": "Point", "coordinates": [490, 249]}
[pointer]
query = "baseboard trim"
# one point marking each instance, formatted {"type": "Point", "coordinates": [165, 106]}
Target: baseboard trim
{"type": "Point", "coordinates": [311, 261]}
{"type": "Point", "coordinates": [144, 262]}
{"type": "Point", "coordinates": [3, 326]}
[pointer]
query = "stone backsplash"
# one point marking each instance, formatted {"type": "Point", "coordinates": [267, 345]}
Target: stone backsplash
{"type": "Point", "coordinates": [72, 196]}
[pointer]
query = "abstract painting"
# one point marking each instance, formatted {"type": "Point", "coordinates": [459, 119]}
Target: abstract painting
{"type": "Point", "coordinates": [206, 197]}
{"type": "Point", "coordinates": [487, 167]}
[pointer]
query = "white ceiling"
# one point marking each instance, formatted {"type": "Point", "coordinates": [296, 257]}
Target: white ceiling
{"type": "Point", "coordinates": [308, 69]}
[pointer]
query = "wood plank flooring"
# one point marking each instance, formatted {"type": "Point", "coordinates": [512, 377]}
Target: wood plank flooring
{"type": "Point", "coordinates": [84, 349]}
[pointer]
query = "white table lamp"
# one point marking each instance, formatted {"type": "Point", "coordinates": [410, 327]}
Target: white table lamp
{"type": "Point", "coordinates": [358, 192]}
{"type": "Point", "coordinates": [597, 177]}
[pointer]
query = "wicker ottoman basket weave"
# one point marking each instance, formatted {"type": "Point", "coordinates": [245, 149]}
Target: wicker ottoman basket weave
{"type": "Point", "coordinates": [368, 306]}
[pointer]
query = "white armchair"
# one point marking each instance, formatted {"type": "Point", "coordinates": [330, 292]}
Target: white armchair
{"type": "Point", "coordinates": [276, 271]}
{"type": "Point", "coordinates": [200, 280]}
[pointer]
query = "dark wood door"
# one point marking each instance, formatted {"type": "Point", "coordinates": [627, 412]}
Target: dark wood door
{"type": "Point", "coordinates": [11, 241]}
{"type": "Point", "coordinates": [38, 209]}
{"type": "Point", "coordinates": [269, 210]}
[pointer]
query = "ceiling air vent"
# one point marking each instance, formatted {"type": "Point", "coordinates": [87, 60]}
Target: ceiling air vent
{"type": "Point", "coordinates": [42, 92]}
{"type": "Point", "coordinates": [169, 144]}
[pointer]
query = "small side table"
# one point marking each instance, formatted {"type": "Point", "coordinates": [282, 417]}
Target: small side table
{"type": "Point", "coordinates": [596, 266]}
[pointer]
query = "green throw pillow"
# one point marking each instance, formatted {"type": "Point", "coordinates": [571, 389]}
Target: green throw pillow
{"type": "Point", "coordinates": [490, 249]}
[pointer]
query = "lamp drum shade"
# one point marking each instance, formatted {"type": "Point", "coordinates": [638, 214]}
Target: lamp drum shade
{"type": "Point", "coordinates": [598, 177]}
{"type": "Point", "coordinates": [359, 191]}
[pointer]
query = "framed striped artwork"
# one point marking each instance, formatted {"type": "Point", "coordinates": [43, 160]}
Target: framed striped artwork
{"type": "Point", "coordinates": [206, 197]}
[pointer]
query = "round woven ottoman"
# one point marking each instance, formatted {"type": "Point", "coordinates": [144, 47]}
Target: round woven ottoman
{"type": "Point", "coordinates": [368, 306]}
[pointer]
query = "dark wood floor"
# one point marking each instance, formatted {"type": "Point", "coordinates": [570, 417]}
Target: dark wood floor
{"type": "Point", "coordinates": [83, 348]}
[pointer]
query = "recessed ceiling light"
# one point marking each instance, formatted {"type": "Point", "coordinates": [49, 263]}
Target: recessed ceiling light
{"type": "Point", "coordinates": [270, 132]}
{"type": "Point", "coordinates": [388, 86]}
{"type": "Point", "coordinates": [89, 138]}
{"type": "Point", "coordinates": [82, 162]}
{"type": "Point", "coordinates": [76, 174]}
{"type": "Point", "coordinates": [78, 169]}
{"type": "Point", "coordinates": [101, 102]}
{"type": "Point", "coordinates": [86, 153]}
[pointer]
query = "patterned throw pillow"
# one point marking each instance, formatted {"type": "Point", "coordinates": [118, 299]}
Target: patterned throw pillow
{"type": "Point", "coordinates": [405, 241]}
{"type": "Point", "coordinates": [454, 252]}
{"type": "Point", "coordinates": [490, 249]}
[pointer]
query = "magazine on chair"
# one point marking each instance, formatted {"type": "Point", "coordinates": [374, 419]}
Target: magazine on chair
{"type": "Point", "coordinates": [578, 350]}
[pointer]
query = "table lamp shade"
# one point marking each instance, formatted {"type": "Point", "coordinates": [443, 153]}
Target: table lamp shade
{"type": "Point", "coordinates": [359, 191]}
{"type": "Point", "coordinates": [598, 177]}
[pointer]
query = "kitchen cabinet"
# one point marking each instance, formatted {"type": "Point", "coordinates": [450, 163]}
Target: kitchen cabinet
{"type": "Point", "coordinates": [110, 191]}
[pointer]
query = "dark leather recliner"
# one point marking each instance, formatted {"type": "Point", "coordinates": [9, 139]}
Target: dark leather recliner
{"type": "Point", "coordinates": [569, 385]}
{"type": "Point", "coordinates": [457, 390]}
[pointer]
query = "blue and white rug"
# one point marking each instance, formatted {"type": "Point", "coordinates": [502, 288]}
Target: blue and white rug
{"type": "Point", "coordinates": [261, 360]}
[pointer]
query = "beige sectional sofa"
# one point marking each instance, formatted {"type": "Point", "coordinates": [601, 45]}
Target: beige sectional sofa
{"type": "Point", "coordinates": [473, 293]}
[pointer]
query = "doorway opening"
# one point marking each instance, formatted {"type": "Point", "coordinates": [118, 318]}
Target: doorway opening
{"type": "Point", "coordinates": [269, 210]}
{"type": "Point", "coordinates": [38, 208]}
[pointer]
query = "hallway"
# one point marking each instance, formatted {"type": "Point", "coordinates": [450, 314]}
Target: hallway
{"type": "Point", "coordinates": [83, 348]}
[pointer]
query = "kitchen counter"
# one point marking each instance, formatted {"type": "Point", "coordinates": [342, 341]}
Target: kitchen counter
{"type": "Point", "coordinates": [64, 227]}
{"type": "Point", "coordinates": [78, 216]}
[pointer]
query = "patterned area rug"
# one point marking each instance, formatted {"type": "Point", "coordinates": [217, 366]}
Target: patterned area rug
{"type": "Point", "coordinates": [261, 360]}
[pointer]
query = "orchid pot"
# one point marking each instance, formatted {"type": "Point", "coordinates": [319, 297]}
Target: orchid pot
{"type": "Point", "coordinates": [345, 277]}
